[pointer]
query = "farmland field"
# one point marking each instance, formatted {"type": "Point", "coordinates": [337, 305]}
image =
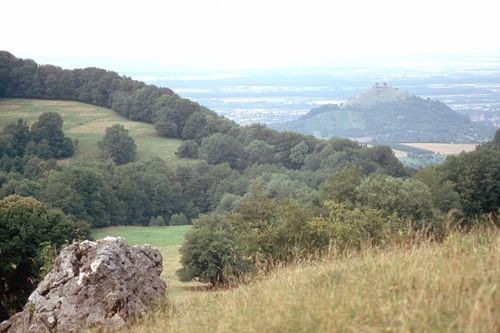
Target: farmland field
{"type": "Point", "coordinates": [443, 148]}
{"type": "Point", "coordinates": [87, 123]}
{"type": "Point", "coordinates": [400, 153]}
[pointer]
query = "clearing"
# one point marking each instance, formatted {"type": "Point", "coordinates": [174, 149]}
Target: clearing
{"type": "Point", "coordinates": [87, 123]}
{"type": "Point", "coordinates": [167, 239]}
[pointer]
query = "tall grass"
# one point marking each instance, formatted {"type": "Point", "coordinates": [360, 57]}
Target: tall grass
{"type": "Point", "coordinates": [453, 286]}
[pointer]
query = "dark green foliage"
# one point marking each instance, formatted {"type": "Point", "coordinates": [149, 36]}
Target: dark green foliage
{"type": "Point", "coordinates": [211, 252]}
{"type": "Point", "coordinates": [48, 131]}
{"type": "Point", "coordinates": [444, 196]}
{"type": "Point", "coordinates": [381, 159]}
{"type": "Point", "coordinates": [298, 153]}
{"type": "Point", "coordinates": [344, 228]}
{"type": "Point", "coordinates": [157, 221]}
{"type": "Point", "coordinates": [178, 219]}
{"type": "Point", "coordinates": [188, 149]}
{"type": "Point", "coordinates": [341, 185]}
{"type": "Point", "coordinates": [81, 192]}
{"type": "Point", "coordinates": [167, 129]}
{"type": "Point", "coordinates": [45, 139]}
{"type": "Point", "coordinates": [259, 151]}
{"type": "Point", "coordinates": [145, 190]}
{"type": "Point", "coordinates": [476, 176]}
{"type": "Point", "coordinates": [410, 199]}
{"type": "Point", "coordinates": [194, 126]}
{"type": "Point", "coordinates": [270, 231]}
{"type": "Point", "coordinates": [17, 136]}
{"type": "Point", "coordinates": [264, 232]}
{"type": "Point", "coordinates": [118, 144]}
{"type": "Point", "coordinates": [221, 148]}
{"type": "Point", "coordinates": [25, 226]}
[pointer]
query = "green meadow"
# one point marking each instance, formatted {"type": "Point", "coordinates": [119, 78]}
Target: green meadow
{"type": "Point", "coordinates": [87, 123]}
{"type": "Point", "coordinates": [167, 239]}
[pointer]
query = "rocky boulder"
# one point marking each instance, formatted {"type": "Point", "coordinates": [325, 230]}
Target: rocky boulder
{"type": "Point", "coordinates": [93, 284]}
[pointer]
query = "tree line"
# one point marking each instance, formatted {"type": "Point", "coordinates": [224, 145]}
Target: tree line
{"type": "Point", "coordinates": [351, 211]}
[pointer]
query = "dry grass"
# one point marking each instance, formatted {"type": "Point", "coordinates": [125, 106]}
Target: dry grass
{"type": "Point", "coordinates": [432, 287]}
{"type": "Point", "coordinates": [444, 148]}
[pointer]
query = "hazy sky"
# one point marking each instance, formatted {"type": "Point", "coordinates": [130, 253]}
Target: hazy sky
{"type": "Point", "coordinates": [233, 34]}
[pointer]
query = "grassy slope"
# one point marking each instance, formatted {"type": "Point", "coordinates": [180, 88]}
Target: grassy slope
{"type": "Point", "coordinates": [87, 123]}
{"type": "Point", "coordinates": [449, 287]}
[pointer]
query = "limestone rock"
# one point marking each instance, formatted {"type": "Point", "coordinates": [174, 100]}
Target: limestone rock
{"type": "Point", "coordinates": [93, 284]}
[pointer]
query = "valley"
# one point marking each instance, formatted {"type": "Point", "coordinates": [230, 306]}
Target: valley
{"type": "Point", "coordinates": [471, 88]}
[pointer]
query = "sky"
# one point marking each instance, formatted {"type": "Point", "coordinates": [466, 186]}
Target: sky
{"type": "Point", "coordinates": [251, 34]}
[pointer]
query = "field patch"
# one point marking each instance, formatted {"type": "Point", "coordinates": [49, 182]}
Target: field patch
{"type": "Point", "coordinates": [400, 153]}
{"type": "Point", "coordinates": [444, 148]}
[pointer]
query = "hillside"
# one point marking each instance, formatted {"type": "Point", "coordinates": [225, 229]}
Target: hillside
{"type": "Point", "coordinates": [431, 287]}
{"type": "Point", "coordinates": [386, 114]}
{"type": "Point", "coordinates": [87, 123]}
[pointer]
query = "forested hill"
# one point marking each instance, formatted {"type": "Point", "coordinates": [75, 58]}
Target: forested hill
{"type": "Point", "coordinates": [218, 139]}
{"type": "Point", "coordinates": [172, 115]}
{"type": "Point", "coordinates": [385, 114]}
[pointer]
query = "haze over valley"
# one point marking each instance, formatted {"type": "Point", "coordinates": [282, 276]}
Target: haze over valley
{"type": "Point", "coordinates": [471, 88]}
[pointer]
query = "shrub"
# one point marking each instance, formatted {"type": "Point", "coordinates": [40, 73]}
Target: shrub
{"type": "Point", "coordinates": [346, 228]}
{"type": "Point", "coordinates": [158, 221]}
{"type": "Point", "coordinates": [27, 229]}
{"type": "Point", "coordinates": [178, 219]}
{"type": "Point", "coordinates": [211, 252]}
{"type": "Point", "coordinates": [188, 149]}
{"type": "Point", "coordinates": [167, 129]}
{"type": "Point", "coordinates": [118, 144]}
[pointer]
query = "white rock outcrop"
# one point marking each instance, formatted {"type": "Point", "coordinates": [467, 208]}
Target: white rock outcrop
{"type": "Point", "coordinates": [93, 284]}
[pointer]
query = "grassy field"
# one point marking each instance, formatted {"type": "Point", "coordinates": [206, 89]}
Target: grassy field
{"type": "Point", "coordinates": [432, 287]}
{"type": "Point", "coordinates": [444, 148]}
{"type": "Point", "coordinates": [87, 124]}
{"type": "Point", "coordinates": [166, 239]}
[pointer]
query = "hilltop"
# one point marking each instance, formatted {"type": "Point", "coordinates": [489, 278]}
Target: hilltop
{"type": "Point", "coordinates": [386, 114]}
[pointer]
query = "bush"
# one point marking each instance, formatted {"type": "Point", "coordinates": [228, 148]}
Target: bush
{"type": "Point", "coordinates": [346, 228]}
{"type": "Point", "coordinates": [27, 229]}
{"type": "Point", "coordinates": [211, 252]}
{"type": "Point", "coordinates": [410, 198]}
{"type": "Point", "coordinates": [178, 219]}
{"type": "Point", "coordinates": [188, 149]}
{"type": "Point", "coordinates": [118, 144]}
{"type": "Point", "coordinates": [167, 129]}
{"type": "Point", "coordinates": [158, 221]}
